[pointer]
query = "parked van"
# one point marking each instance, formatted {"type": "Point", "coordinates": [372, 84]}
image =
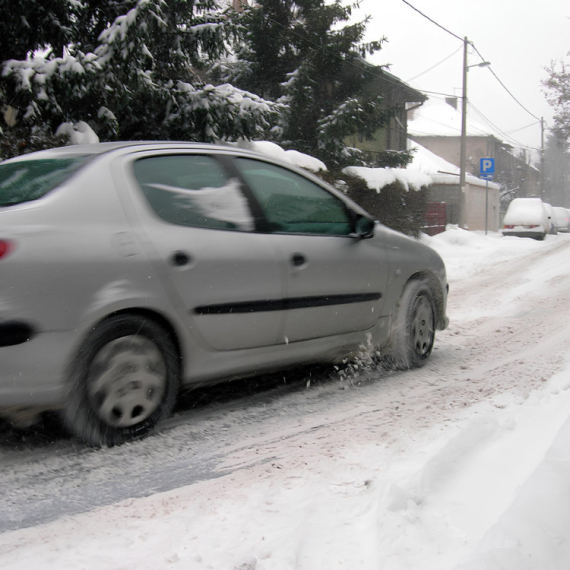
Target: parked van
{"type": "Point", "coordinates": [561, 219]}
{"type": "Point", "coordinates": [526, 217]}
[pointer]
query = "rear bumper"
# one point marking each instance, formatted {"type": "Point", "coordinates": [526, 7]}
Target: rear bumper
{"type": "Point", "coordinates": [524, 233]}
{"type": "Point", "coordinates": [32, 373]}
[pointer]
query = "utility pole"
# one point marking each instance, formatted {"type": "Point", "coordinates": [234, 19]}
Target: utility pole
{"type": "Point", "coordinates": [463, 150]}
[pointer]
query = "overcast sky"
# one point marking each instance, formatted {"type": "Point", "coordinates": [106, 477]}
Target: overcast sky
{"type": "Point", "coordinates": [518, 37]}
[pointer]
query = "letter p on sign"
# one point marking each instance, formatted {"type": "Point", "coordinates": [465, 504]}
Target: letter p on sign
{"type": "Point", "coordinates": [487, 168]}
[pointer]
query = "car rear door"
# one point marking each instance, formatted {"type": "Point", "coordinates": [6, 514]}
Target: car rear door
{"type": "Point", "coordinates": [200, 230]}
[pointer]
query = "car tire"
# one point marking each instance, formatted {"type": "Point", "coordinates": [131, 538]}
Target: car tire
{"type": "Point", "coordinates": [123, 381]}
{"type": "Point", "coordinates": [413, 331]}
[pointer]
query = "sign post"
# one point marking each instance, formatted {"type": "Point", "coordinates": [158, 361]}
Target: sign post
{"type": "Point", "coordinates": [486, 171]}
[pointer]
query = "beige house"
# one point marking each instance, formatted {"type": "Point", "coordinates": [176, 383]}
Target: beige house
{"type": "Point", "coordinates": [437, 127]}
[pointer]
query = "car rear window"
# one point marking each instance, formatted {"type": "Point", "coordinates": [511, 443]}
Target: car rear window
{"type": "Point", "coordinates": [28, 180]}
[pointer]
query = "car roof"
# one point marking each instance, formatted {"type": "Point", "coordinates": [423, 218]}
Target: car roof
{"type": "Point", "coordinates": [105, 147]}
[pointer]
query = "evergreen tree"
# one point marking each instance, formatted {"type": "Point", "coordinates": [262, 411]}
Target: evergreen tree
{"type": "Point", "coordinates": [302, 54]}
{"type": "Point", "coordinates": [557, 171]}
{"type": "Point", "coordinates": [30, 25]}
{"type": "Point", "coordinates": [133, 69]}
{"type": "Point", "coordinates": [558, 94]}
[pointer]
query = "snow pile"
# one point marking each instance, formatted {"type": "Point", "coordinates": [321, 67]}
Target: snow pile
{"type": "Point", "coordinates": [533, 530]}
{"type": "Point", "coordinates": [289, 156]}
{"type": "Point", "coordinates": [377, 178]}
{"type": "Point", "coordinates": [467, 254]}
{"type": "Point", "coordinates": [79, 133]}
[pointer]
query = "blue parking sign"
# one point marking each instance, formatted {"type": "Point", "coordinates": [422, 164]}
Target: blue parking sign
{"type": "Point", "coordinates": [487, 168]}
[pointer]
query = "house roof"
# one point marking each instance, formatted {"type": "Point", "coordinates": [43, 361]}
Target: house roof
{"type": "Point", "coordinates": [394, 90]}
{"type": "Point", "coordinates": [437, 118]}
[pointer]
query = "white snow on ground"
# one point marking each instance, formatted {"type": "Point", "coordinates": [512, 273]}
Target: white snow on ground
{"type": "Point", "coordinates": [463, 464]}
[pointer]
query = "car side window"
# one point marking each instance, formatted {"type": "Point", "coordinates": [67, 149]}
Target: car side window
{"type": "Point", "coordinates": [292, 203]}
{"type": "Point", "coordinates": [193, 190]}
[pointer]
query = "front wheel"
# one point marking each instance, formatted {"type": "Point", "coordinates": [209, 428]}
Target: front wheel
{"type": "Point", "coordinates": [123, 381]}
{"type": "Point", "coordinates": [413, 333]}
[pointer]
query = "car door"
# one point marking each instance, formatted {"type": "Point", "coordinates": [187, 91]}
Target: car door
{"type": "Point", "coordinates": [224, 277]}
{"type": "Point", "coordinates": [335, 281]}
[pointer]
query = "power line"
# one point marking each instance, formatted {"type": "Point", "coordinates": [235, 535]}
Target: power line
{"type": "Point", "coordinates": [436, 93]}
{"type": "Point", "coordinates": [504, 86]}
{"type": "Point", "coordinates": [523, 128]}
{"type": "Point", "coordinates": [433, 21]}
{"type": "Point", "coordinates": [434, 66]}
{"type": "Point", "coordinates": [509, 139]}
{"type": "Point", "coordinates": [478, 53]}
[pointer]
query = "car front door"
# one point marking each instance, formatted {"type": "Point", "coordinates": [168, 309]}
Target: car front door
{"type": "Point", "coordinates": [335, 281]}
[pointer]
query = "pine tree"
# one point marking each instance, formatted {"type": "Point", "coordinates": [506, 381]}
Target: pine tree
{"type": "Point", "coordinates": [557, 171]}
{"type": "Point", "coordinates": [29, 26]}
{"type": "Point", "coordinates": [133, 69]}
{"type": "Point", "coordinates": [558, 94]}
{"type": "Point", "coordinates": [302, 54]}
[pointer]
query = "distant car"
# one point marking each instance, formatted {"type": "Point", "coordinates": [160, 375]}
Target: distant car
{"type": "Point", "coordinates": [526, 217]}
{"type": "Point", "coordinates": [561, 219]}
{"type": "Point", "coordinates": [128, 270]}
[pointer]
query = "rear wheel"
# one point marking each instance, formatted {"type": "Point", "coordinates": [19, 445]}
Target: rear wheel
{"type": "Point", "coordinates": [413, 334]}
{"type": "Point", "coordinates": [124, 380]}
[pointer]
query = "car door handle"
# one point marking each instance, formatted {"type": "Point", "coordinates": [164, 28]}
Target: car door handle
{"type": "Point", "coordinates": [180, 259]}
{"type": "Point", "coordinates": [298, 259]}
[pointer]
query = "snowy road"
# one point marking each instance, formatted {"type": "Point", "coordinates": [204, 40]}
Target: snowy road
{"type": "Point", "coordinates": [392, 470]}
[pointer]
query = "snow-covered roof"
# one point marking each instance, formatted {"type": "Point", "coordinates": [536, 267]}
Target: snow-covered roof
{"type": "Point", "coordinates": [437, 118]}
{"type": "Point", "coordinates": [438, 169]}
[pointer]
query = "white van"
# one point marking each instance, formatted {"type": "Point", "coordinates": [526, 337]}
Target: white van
{"type": "Point", "coordinates": [526, 217]}
{"type": "Point", "coordinates": [561, 219]}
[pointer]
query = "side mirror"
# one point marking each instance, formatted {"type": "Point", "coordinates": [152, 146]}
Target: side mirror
{"type": "Point", "coordinates": [364, 227]}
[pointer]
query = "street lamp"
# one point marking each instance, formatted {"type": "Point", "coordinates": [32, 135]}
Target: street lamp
{"type": "Point", "coordinates": [463, 153]}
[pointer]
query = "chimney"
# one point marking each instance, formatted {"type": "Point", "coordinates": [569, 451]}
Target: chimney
{"type": "Point", "coordinates": [452, 101]}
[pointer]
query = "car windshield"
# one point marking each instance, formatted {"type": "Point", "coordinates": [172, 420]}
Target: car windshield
{"type": "Point", "coordinates": [28, 180]}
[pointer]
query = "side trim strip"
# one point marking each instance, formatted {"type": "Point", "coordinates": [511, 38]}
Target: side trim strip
{"type": "Point", "coordinates": [285, 304]}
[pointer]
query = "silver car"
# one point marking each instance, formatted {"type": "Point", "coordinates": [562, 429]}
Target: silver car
{"type": "Point", "coordinates": [131, 270]}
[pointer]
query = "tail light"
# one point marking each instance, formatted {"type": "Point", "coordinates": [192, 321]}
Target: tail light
{"type": "Point", "coordinates": [508, 227]}
{"type": "Point", "coordinates": [6, 247]}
